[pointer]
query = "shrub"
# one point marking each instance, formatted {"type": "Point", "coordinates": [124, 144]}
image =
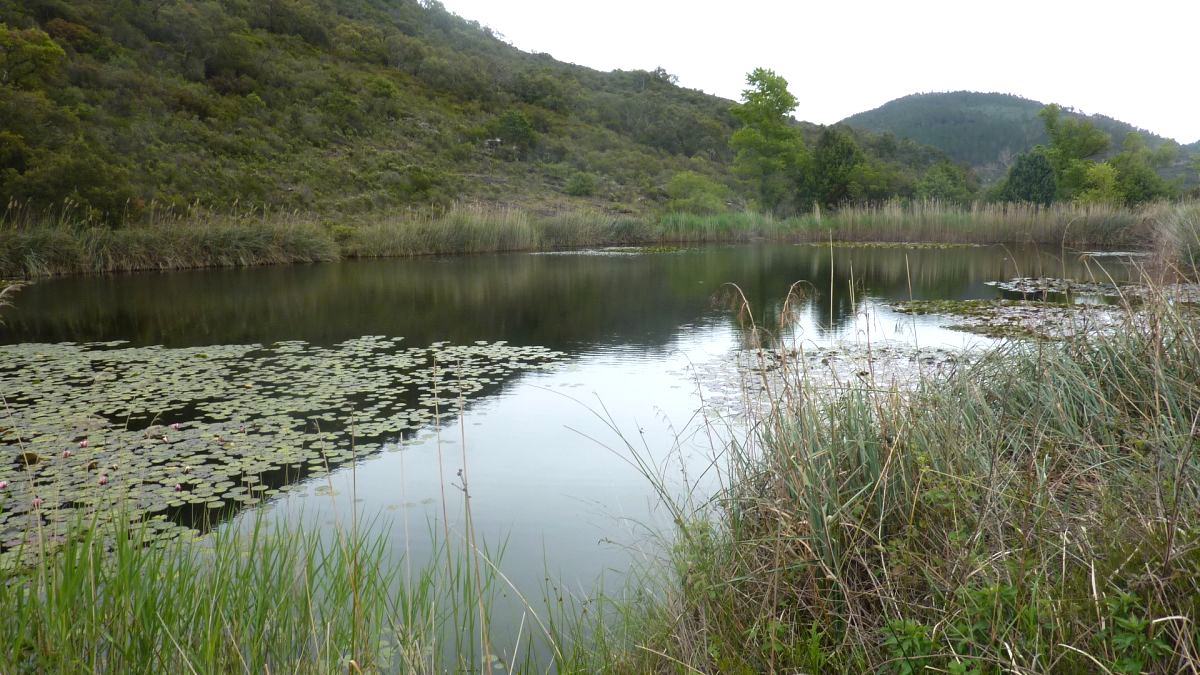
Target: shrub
{"type": "Point", "coordinates": [581, 185]}
{"type": "Point", "coordinates": [691, 192]}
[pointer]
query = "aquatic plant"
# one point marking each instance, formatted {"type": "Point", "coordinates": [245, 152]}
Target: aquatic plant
{"type": "Point", "coordinates": [259, 418]}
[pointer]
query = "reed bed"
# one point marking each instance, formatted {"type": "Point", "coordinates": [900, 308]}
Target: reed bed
{"type": "Point", "coordinates": [68, 241]}
{"type": "Point", "coordinates": [1038, 512]}
{"type": "Point", "coordinates": [1080, 225]}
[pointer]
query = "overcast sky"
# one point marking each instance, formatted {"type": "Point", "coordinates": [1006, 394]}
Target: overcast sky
{"type": "Point", "coordinates": [1135, 61]}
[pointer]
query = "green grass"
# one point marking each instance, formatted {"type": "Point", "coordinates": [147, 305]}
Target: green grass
{"type": "Point", "coordinates": [275, 598]}
{"type": "Point", "coordinates": [68, 242]}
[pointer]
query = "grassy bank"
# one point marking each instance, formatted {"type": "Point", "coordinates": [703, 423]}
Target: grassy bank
{"type": "Point", "coordinates": [268, 599]}
{"type": "Point", "coordinates": [64, 242]}
{"type": "Point", "coordinates": [1036, 513]}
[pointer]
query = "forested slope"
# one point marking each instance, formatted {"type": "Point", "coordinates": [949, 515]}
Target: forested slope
{"type": "Point", "coordinates": [338, 106]}
{"type": "Point", "coordinates": [988, 130]}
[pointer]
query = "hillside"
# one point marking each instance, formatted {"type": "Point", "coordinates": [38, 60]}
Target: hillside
{"type": "Point", "coordinates": [334, 106]}
{"type": "Point", "coordinates": [983, 130]}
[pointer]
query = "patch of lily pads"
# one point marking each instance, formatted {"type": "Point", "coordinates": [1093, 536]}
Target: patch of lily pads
{"type": "Point", "coordinates": [177, 438]}
{"type": "Point", "coordinates": [1042, 286]}
{"type": "Point", "coordinates": [1020, 319]}
{"type": "Point", "coordinates": [1071, 288]}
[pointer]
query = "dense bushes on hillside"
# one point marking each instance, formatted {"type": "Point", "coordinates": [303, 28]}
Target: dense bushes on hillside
{"type": "Point", "coordinates": [340, 106]}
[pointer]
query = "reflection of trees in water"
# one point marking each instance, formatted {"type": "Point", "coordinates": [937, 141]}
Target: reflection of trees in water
{"type": "Point", "coordinates": [560, 301]}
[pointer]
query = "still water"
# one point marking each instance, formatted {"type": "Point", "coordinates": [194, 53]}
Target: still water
{"type": "Point", "coordinates": [550, 455]}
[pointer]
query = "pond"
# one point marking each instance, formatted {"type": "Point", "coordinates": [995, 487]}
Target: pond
{"type": "Point", "coordinates": [542, 379]}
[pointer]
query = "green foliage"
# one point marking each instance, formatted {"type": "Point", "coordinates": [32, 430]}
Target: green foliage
{"type": "Point", "coordinates": [1031, 179]}
{"type": "Point", "coordinates": [987, 130]}
{"type": "Point", "coordinates": [692, 192]}
{"type": "Point", "coordinates": [771, 154]}
{"type": "Point", "coordinates": [515, 130]}
{"type": "Point", "coordinates": [581, 184]}
{"type": "Point", "coordinates": [1074, 144]}
{"type": "Point", "coordinates": [544, 88]}
{"type": "Point", "coordinates": [1134, 638]}
{"type": "Point", "coordinates": [910, 646]}
{"type": "Point", "coordinates": [29, 59]}
{"type": "Point", "coordinates": [1134, 167]}
{"type": "Point", "coordinates": [1099, 185]}
{"type": "Point", "coordinates": [946, 182]}
{"type": "Point", "coordinates": [835, 161]}
{"type": "Point", "coordinates": [296, 104]}
{"type": "Point", "coordinates": [1071, 138]}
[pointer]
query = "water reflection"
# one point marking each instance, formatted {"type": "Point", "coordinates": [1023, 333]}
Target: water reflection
{"type": "Point", "coordinates": [560, 301]}
{"type": "Point", "coordinates": [548, 476]}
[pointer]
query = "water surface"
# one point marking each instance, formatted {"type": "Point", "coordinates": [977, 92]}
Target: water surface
{"type": "Point", "coordinates": [547, 453]}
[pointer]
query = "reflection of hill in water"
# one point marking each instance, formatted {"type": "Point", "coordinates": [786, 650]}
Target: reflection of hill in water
{"type": "Point", "coordinates": [565, 302]}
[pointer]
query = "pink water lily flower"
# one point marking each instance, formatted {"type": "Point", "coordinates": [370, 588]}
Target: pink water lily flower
{"type": "Point", "coordinates": [67, 453]}
{"type": "Point", "coordinates": [177, 426]}
{"type": "Point", "coordinates": [83, 443]}
{"type": "Point", "coordinates": [104, 480]}
{"type": "Point", "coordinates": [178, 487]}
{"type": "Point", "coordinates": [3, 484]}
{"type": "Point", "coordinates": [37, 502]}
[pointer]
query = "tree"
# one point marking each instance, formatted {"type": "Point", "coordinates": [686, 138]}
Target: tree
{"type": "Point", "coordinates": [946, 182]}
{"type": "Point", "coordinates": [1073, 145]}
{"type": "Point", "coordinates": [1099, 185]}
{"type": "Point", "coordinates": [770, 152]}
{"type": "Point", "coordinates": [835, 160]}
{"type": "Point", "coordinates": [1072, 138]}
{"type": "Point", "coordinates": [515, 129]}
{"type": "Point", "coordinates": [1135, 178]}
{"type": "Point", "coordinates": [28, 58]}
{"type": "Point", "coordinates": [1031, 179]}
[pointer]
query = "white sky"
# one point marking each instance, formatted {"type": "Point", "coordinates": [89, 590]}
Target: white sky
{"type": "Point", "coordinates": [1136, 61]}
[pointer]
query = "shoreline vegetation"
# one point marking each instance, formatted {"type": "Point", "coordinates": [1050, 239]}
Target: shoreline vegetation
{"type": "Point", "coordinates": [982, 524]}
{"type": "Point", "coordinates": [1036, 512]}
{"type": "Point", "coordinates": [52, 243]}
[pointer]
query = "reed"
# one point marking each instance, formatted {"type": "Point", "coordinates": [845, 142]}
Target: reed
{"type": "Point", "coordinates": [1038, 512]}
{"type": "Point", "coordinates": [986, 223]}
{"type": "Point", "coordinates": [70, 241]}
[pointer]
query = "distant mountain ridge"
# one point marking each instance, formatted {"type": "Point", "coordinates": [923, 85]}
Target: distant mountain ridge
{"type": "Point", "coordinates": [984, 130]}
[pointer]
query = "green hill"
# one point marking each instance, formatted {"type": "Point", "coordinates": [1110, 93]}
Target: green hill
{"type": "Point", "coordinates": [983, 130]}
{"type": "Point", "coordinates": [333, 106]}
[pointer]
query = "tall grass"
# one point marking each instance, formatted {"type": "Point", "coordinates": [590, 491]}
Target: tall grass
{"type": "Point", "coordinates": [46, 243]}
{"type": "Point", "coordinates": [66, 241]}
{"type": "Point", "coordinates": [1039, 512]}
{"type": "Point", "coordinates": [985, 223]}
{"type": "Point", "coordinates": [270, 599]}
